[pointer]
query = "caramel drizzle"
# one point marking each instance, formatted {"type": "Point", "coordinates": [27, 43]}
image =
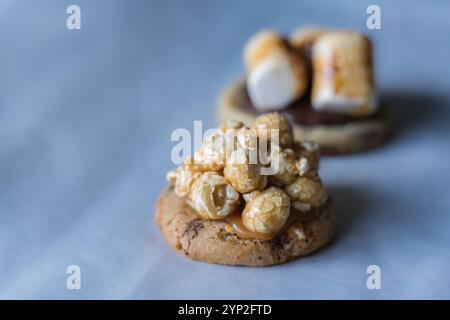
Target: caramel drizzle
{"type": "Point", "coordinates": [235, 220]}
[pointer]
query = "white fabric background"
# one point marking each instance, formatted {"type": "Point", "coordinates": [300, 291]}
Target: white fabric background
{"type": "Point", "coordinates": [85, 124]}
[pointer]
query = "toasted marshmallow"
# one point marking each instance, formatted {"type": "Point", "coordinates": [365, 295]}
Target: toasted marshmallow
{"type": "Point", "coordinates": [260, 45]}
{"type": "Point", "coordinates": [276, 75]}
{"type": "Point", "coordinates": [343, 78]}
{"type": "Point", "coordinates": [304, 37]}
{"type": "Point", "coordinates": [273, 83]}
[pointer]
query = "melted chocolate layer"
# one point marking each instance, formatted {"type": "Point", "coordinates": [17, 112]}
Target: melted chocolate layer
{"type": "Point", "coordinates": [302, 112]}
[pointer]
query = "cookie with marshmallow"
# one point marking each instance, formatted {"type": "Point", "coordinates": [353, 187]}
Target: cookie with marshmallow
{"type": "Point", "coordinates": [321, 79]}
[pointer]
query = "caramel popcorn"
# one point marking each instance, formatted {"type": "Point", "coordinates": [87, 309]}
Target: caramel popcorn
{"type": "Point", "coordinates": [276, 121]}
{"type": "Point", "coordinates": [268, 211]}
{"type": "Point", "coordinates": [213, 197]}
{"type": "Point", "coordinates": [214, 180]}
{"type": "Point", "coordinates": [307, 153]}
{"type": "Point", "coordinates": [307, 190]}
{"type": "Point", "coordinates": [230, 124]}
{"type": "Point", "coordinates": [212, 154]}
{"type": "Point", "coordinates": [287, 166]}
{"type": "Point", "coordinates": [297, 230]}
{"type": "Point", "coordinates": [249, 196]}
{"type": "Point", "coordinates": [247, 138]}
{"type": "Point", "coordinates": [182, 178]}
{"type": "Point", "coordinates": [243, 175]}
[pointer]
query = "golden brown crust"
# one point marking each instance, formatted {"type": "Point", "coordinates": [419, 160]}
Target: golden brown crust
{"type": "Point", "coordinates": [305, 36]}
{"type": "Point", "coordinates": [209, 240]}
{"type": "Point", "coordinates": [261, 44]}
{"type": "Point", "coordinates": [332, 139]}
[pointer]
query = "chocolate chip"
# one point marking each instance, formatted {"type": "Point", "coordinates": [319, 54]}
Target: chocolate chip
{"type": "Point", "coordinates": [281, 242]}
{"type": "Point", "coordinates": [193, 227]}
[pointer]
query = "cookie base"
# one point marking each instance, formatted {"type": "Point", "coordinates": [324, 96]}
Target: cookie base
{"type": "Point", "coordinates": [335, 139]}
{"type": "Point", "coordinates": [208, 240]}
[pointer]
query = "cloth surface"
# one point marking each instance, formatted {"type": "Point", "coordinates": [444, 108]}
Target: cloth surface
{"type": "Point", "coordinates": [86, 118]}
